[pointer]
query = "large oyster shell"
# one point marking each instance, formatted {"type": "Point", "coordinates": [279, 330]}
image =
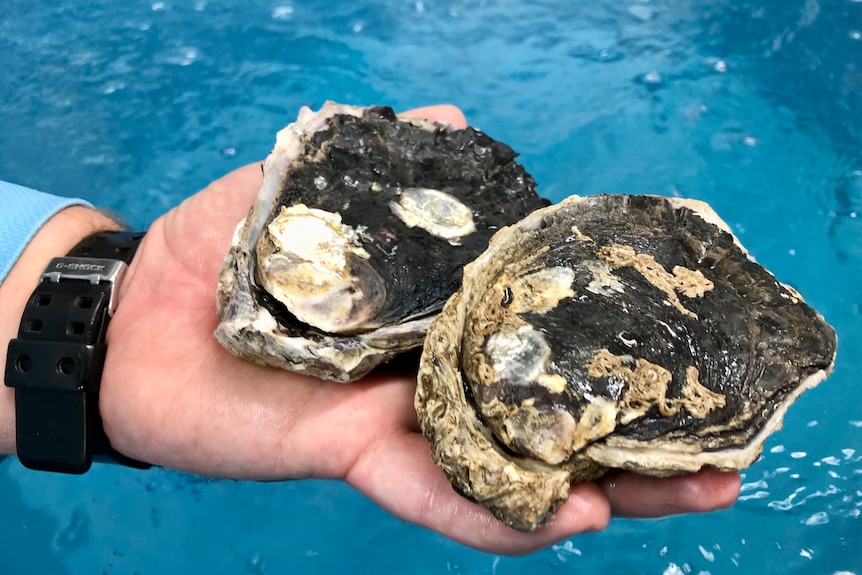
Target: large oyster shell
{"type": "Point", "coordinates": [614, 331]}
{"type": "Point", "coordinates": [358, 236]}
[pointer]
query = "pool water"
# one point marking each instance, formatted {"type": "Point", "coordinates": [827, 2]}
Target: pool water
{"type": "Point", "coordinates": [755, 107]}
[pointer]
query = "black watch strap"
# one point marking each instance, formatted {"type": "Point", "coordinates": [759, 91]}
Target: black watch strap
{"type": "Point", "coordinates": [55, 364]}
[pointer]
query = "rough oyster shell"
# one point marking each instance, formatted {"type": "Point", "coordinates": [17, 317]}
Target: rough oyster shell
{"type": "Point", "coordinates": [359, 235]}
{"type": "Point", "coordinates": [615, 331]}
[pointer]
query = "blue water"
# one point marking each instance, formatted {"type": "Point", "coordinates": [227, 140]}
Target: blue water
{"type": "Point", "coordinates": [755, 107]}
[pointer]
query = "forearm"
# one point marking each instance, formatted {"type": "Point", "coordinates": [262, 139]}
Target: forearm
{"type": "Point", "coordinates": [59, 235]}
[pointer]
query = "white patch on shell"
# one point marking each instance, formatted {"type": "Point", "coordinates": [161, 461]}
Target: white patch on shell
{"type": "Point", "coordinates": [669, 329]}
{"type": "Point", "coordinates": [792, 294]}
{"type": "Point", "coordinates": [628, 342]}
{"type": "Point", "coordinates": [438, 213]}
{"type": "Point", "coordinates": [604, 282]}
{"type": "Point", "coordinates": [541, 291]}
{"type": "Point", "coordinates": [520, 357]}
{"type": "Point", "coordinates": [577, 234]}
{"type": "Point", "coordinates": [317, 267]}
{"type": "Point", "coordinates": [517, 356]}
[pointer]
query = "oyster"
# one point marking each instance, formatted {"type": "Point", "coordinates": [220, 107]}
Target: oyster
{"type": "Point", "coordinates": [610, 331]}
{"type": "Point", "coordinates": [359, 234]}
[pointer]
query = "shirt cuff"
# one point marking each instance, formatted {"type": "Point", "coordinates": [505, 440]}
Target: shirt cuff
{"type": "Point", "coordinates": [24, 211]}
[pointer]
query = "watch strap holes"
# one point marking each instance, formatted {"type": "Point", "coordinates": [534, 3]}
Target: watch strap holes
{"type": "Point", "coordinates": [23, 363]}
{"type": "Point", "coordinates": [75, 328]}
{"type": "Point", "coordinates": [42, 299]}
{"type": "Point", "coordinates": [84, 302]}
{"type": "Point", "coordinates": [66, 366]}
{"type": "Point", "coordinates": [33, 325]}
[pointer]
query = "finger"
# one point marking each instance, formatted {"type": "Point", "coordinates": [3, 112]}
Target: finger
{"type": "Point", "coordinates": [444, 113]}
{"type": "Point", "coordinates": [399, 475]}
{"type": "Point", "coordinates": [633, 495]}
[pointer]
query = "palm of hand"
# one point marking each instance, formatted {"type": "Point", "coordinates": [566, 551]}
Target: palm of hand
{"type": "Point", "coordinates": [172, 396]}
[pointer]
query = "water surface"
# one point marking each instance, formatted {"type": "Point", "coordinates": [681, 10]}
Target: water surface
{"type": "Point", "coordinates": [754, 107]}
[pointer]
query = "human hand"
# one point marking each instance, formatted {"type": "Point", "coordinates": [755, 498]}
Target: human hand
{"type": "Point", "coordinates": [172, 396]}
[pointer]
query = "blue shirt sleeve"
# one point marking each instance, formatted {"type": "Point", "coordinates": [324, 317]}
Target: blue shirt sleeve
{"type": "Point", "coordinates": [22, 212]}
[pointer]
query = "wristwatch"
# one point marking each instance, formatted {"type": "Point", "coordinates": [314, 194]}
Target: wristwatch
{"type": "Point", "coordinates": [55, 364]}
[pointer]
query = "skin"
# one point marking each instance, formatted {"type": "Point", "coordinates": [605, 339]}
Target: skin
{"type": "Point", "coordinates": [172, 396]}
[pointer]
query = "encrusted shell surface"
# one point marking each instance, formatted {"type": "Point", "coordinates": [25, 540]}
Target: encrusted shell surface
{"type": "Point", "coordinates": [359, 234]}
{"type": "Point", "coordinates": [611, 331]}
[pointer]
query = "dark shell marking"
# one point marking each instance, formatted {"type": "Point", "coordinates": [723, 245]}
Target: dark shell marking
{"type": "Point", "coordinates": [611, 331]}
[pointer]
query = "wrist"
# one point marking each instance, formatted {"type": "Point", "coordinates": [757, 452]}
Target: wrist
{"type": "Point", "coordinates": [59, 235]}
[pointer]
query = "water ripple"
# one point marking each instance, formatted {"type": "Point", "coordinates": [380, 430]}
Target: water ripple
{"type": "Point", "coordinates": [788, 502]}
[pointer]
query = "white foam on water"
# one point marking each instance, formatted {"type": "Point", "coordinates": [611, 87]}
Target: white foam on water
{"type": "Point", "coordinates": [708, 555]}
{"type": "Point", "coordinates": [819, 518]}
